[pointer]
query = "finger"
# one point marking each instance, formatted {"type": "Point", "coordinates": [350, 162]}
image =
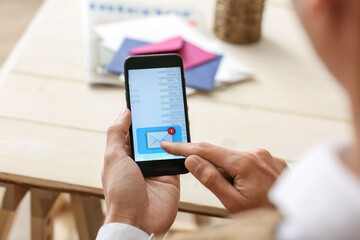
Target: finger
{"type": "Point", "coordinates": [219, 156]}
{"type": "Point", "coordinates": [212, 179]}
{"type": "Point", "coordinates": [117, 147]}
{"type": "Point", "coordinates": [116, 134]}
{"type": "Point", "coordinates": [282, 162]}
{"type": "Point", "coordinates": [226, 175]}
{"type": "Point", "coordinates": [127, 146]}
{"type": "Point", "coordinates": [128, 138]}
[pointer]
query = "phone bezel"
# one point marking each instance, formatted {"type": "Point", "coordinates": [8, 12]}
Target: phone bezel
{"type": "Point", "coordinates": [166, 166]}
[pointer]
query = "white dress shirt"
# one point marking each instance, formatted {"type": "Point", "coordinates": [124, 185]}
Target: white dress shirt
{"type": "Point", "coordinates": [121, 231]}
{"type": "Point", "coordinates": [319, 199]}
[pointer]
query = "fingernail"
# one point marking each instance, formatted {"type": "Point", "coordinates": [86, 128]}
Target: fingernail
{"type": "Point", "coordinates": [194, 165]}
{"type": "Point", "coordinates": [166, 143]}
{"type": "Point", "coordinates": [123, 111]}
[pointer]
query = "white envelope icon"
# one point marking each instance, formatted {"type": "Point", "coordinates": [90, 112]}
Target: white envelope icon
{"type": "Point", "coordinates": [154, 139]}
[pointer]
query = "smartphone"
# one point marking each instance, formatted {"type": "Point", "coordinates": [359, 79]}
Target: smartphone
{"type": "Point", "coordinates": [156, 97]}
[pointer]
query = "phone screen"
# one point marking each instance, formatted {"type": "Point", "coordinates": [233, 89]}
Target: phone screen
{"type": "Point", "coordinates": [157, 110]}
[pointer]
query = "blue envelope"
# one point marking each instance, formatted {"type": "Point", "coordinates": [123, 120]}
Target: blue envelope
{"type": "Point", "coordinates": [200, 77]}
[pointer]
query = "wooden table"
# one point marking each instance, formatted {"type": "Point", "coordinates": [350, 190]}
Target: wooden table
{"type": "Point", "coordinates": [53, 125]}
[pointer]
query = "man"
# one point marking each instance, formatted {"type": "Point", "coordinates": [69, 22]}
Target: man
{"type": "Point", "coordinates": [320, 199]}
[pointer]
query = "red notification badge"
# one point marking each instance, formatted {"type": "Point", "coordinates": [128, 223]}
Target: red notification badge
{"type": "Point", "coordinates": [171, 131]}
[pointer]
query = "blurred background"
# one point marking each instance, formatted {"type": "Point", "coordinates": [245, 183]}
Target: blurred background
{"type": "Point", "coordinates": [15, 17]}
{"type": "Point", "coordinates": [58, 89]}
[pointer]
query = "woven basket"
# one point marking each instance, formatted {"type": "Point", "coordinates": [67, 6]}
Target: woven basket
{"type": "Point", "coordinates": [239, 21]}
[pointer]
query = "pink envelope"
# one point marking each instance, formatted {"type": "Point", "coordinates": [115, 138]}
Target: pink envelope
{"type": "Point", "coordinates": [192, 55]}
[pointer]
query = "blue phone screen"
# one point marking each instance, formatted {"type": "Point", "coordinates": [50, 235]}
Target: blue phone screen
{"type": "Point", "coordinates": [157, 109]}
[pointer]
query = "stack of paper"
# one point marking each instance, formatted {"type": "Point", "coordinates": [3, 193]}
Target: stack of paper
{"type": "Point", "coordinates": [172, 34]}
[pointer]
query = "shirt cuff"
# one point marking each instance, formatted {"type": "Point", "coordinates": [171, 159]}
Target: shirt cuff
{"type": "Point", "coordinates": [114, 231]}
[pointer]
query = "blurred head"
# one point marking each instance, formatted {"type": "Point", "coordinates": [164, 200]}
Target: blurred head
{"type": "Point", "coordinates": [334, 29]}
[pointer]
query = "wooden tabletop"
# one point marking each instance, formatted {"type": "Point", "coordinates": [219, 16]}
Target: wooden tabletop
{"type": "Point", "coordinates": [53, 125]}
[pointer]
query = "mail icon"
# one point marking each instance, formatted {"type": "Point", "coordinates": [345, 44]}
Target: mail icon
{"type": "Point", "coordinates": [154, 139]}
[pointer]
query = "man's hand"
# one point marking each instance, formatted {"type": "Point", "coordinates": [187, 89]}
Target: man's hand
{"type": "Point", "coordinates": [150, 204]}
{"type": "Point", "coordinates": [241, 180]}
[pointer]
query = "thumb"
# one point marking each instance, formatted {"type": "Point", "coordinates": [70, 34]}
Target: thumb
{"type": "Point", "coordinates": [211, 178]}
{"type": "Point", "coordinates": [116, 133]}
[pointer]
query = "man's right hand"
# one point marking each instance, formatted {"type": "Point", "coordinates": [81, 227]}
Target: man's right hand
{"type": "Point", "coordinates": [241, 180]}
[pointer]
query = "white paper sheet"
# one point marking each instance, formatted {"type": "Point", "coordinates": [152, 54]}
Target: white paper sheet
{"type": "Point", "coordinates": [159, 28]}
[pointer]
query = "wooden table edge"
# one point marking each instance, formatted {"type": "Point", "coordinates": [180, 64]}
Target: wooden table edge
{"type": "Point", "coordinates": [50, 185]}
{"type": "Point", "coordinates": [98, 193]}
